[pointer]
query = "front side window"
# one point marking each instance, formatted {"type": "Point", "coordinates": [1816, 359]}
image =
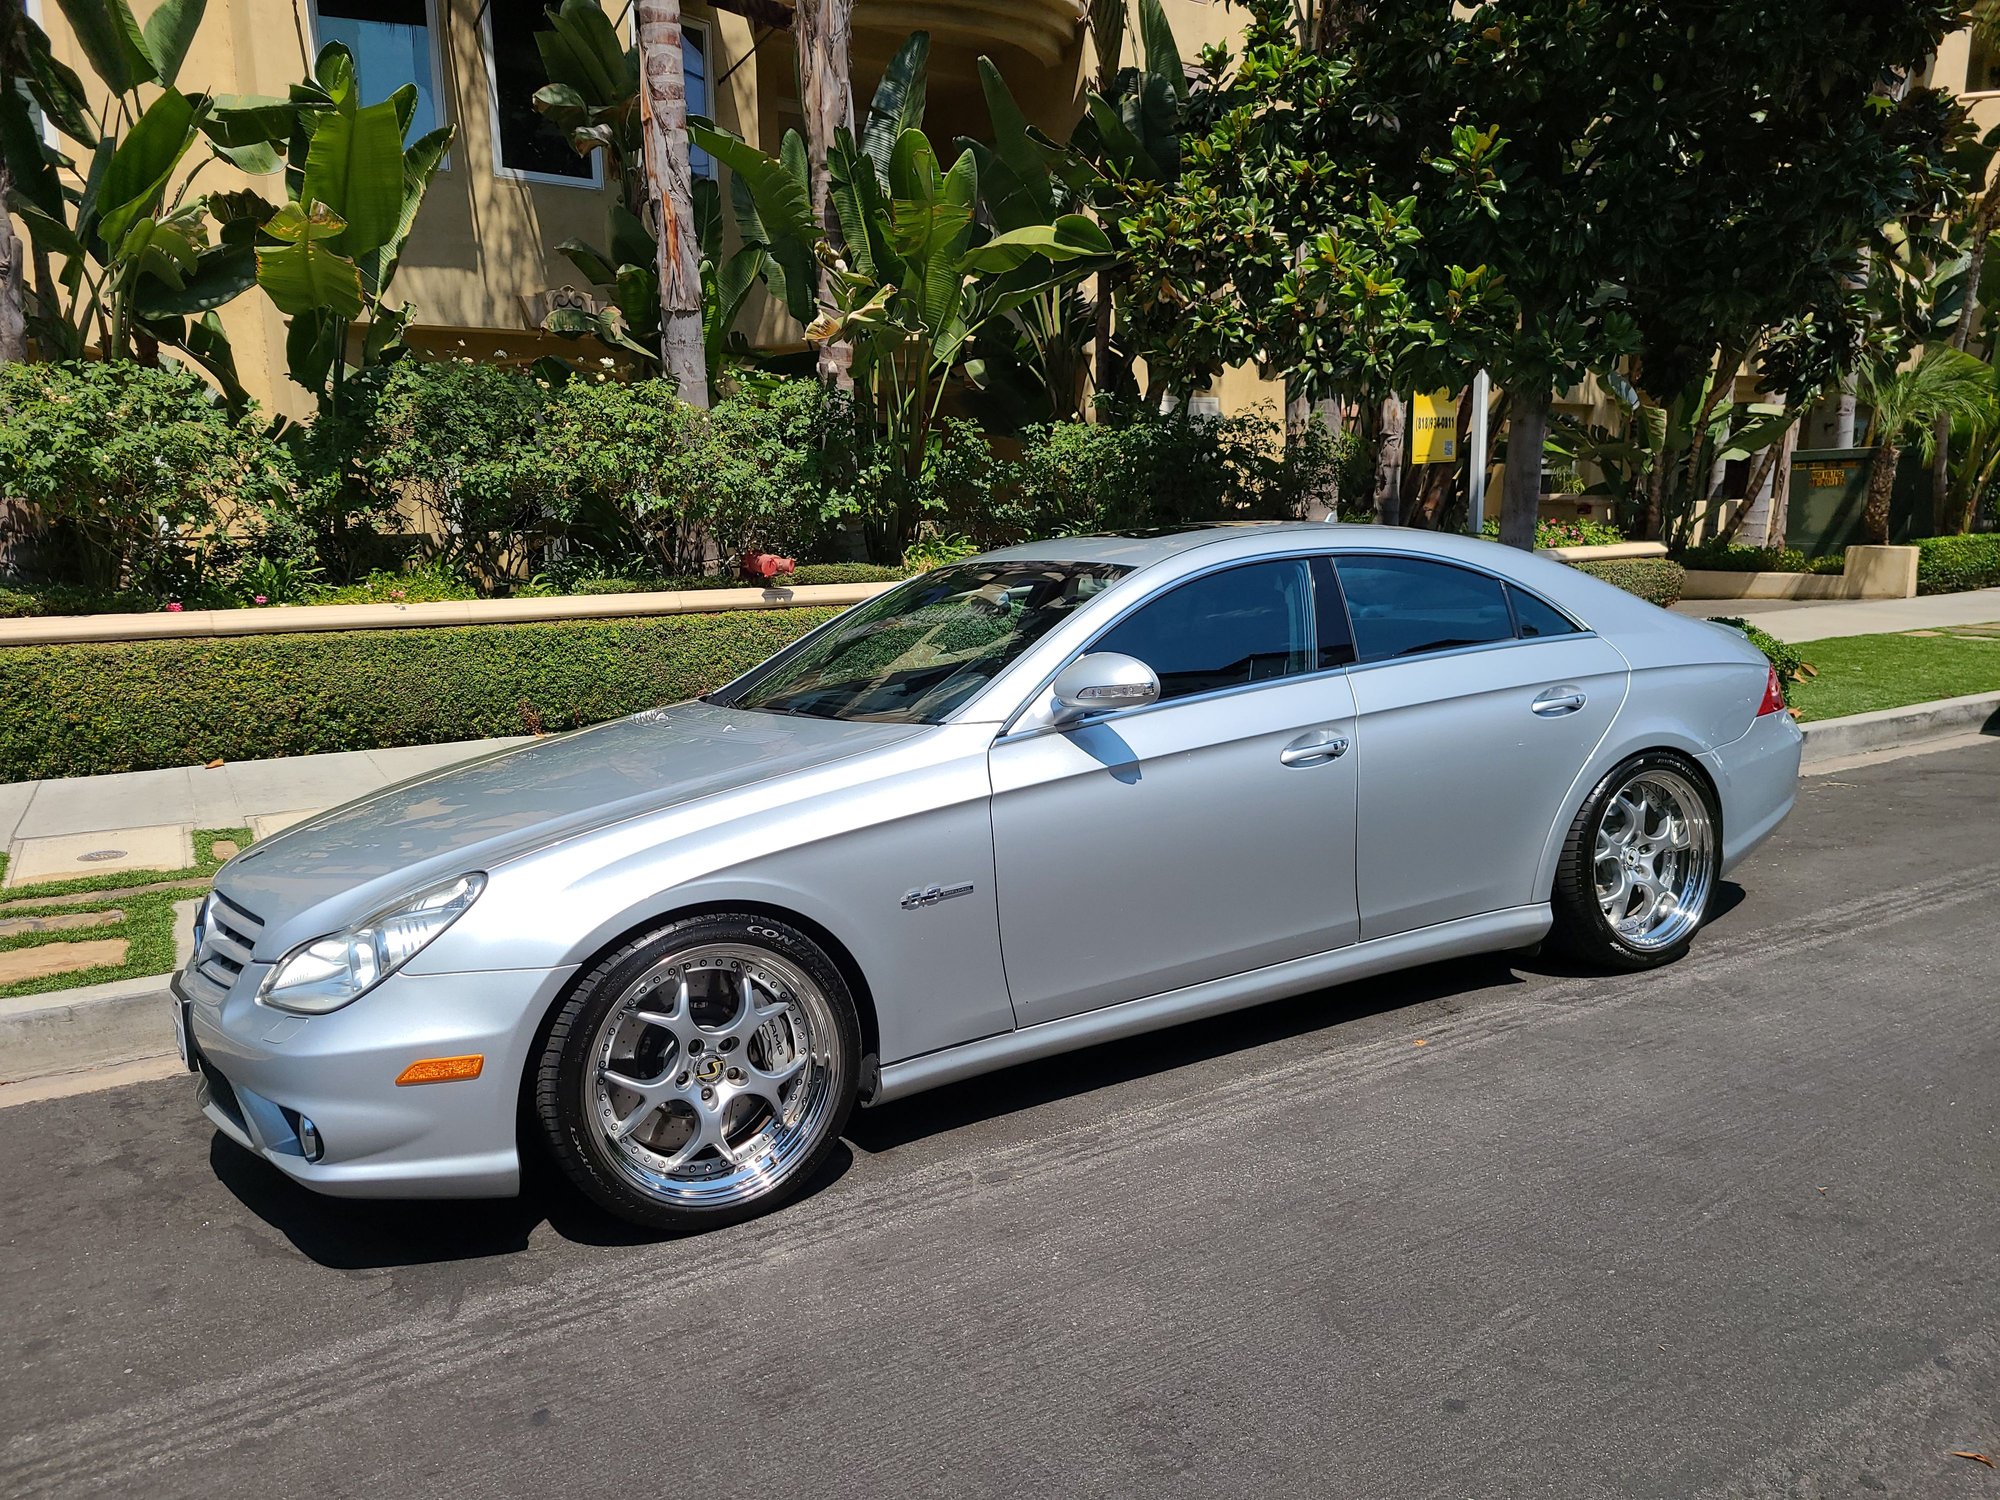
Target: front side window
{"type": "Point", "coordinates": [524, 140]}
{"type": "Point", "coordinates": [1224, 630]}
{"type": "Point", "coordinates": [391, 41]}
{"type": "Point", "coordinates": [914, 654]}
{"type": "Point", "coordinates": [1406, 606]}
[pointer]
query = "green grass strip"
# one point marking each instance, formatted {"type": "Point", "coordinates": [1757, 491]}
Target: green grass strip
{"type": "Point", "coordinates": [148, 926]}
{"type": "Point", "coordinates": [1858, 674]}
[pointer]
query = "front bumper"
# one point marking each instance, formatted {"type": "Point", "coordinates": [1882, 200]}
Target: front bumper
{"type": "Point", "coordinates": [262, 1069]}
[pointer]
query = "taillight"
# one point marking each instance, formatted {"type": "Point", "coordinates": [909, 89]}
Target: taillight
{"type": "Point", "coordinates": [1774, 695]}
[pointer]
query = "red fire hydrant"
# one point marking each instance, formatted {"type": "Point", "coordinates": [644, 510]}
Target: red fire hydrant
{"type": "Point", "coordinates": [763, 568]}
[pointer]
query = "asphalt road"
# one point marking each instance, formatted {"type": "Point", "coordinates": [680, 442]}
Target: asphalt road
{"type": "Point", "coordinates": [1728, 1229]}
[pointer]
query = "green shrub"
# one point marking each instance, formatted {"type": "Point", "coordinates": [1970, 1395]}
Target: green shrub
{"type": "Point", "coordinates": [1141, 468]}
{"type": "Point", "coordinates": [1790, 662]}
{"type": "Point", "coordinates": [1582, 532]}
{"type": "Point", "coordinates": [459, 438]}
{"type": "Point", "coordinates": [1658, 580]}
{"type": "Point", "coordinates": [1717, 558]}
{"type": "Point", "coordinates": [86, 710]}
{"type": "Point", "coordinates": [1952, 564]}
{"type": "Point", "coordinates": [131, 471]}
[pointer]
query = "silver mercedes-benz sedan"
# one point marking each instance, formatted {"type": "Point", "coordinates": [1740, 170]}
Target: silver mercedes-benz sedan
{"type": "Point", "coordinates": [1047, 797]}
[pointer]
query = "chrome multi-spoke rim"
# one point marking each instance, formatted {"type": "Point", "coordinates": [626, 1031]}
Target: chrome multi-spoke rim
{"type": "Point", "coordinates": [1655, 860]}
{"type": "Point", "coordinates": [713, 1075]}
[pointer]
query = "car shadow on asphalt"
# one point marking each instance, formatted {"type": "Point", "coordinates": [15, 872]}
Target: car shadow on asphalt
{"type": "Point", "coordinates": [358, 1234]}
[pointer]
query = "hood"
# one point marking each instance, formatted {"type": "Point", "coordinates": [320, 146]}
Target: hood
{"type": "Point", "coordinates": [357, 858]}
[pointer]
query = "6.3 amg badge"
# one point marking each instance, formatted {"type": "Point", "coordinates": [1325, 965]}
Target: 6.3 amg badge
{"type": "Point", "coordinates": [931, 895]}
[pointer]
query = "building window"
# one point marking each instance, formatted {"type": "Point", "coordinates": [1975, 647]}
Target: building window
{"type": "Point", "coordinates": [694, 68]}
{"type": "Point", "coordinates": [392, 45]}
{"type": "Point", "coordinates": [1982, 66]}
{"type": "Point", "coordinates": [523, 141]}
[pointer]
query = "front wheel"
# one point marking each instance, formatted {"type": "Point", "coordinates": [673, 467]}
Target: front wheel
{"type": "Point", "coordinates": [1640, 864]}
{"type": "Point", "coordinates": [699, 1074]}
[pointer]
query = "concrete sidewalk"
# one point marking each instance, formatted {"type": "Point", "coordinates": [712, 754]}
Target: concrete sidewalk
{"type": "Point", "coordinates": [1798, 620]}
{"type": "Point", "coordinates": [260, 794]}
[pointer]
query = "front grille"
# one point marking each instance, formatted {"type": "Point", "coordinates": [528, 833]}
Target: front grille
{"type": "Point", "coordinates": [226, 944]}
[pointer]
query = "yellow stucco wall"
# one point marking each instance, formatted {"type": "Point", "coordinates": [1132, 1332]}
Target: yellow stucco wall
{"type": "Point", "coordinates": [486, 238]}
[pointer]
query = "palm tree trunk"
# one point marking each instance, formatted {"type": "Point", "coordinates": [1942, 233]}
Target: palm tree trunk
{"type": "Point", "coordinates": [1881, 485]}
{"type": "Point", "coordinates": [826, 91]}
{"type": "Point", "coordinates": [1106, 19]}
{"type": "Point", "coordinates": [663, 101]}
{"type": "Point", "coordinates": [1521, 486]}
{"type": "Point", "coordinates": [13, 316]}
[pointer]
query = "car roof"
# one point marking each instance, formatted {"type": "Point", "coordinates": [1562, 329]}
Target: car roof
{"type": "Point", "coordinates": [1144, 549]}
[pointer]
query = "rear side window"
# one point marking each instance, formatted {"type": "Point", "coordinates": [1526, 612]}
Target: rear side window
{"type": "Point", "coordinates": [1536, 619]}
{"type": "Point", "coordinates": [1405, 606]}
{"type": "Point", "coordinates": [1249, 624]}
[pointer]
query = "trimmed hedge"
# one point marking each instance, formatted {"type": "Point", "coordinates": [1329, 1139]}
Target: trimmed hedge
{"type": "Point", "coordinates": [1658, 580]}
{"type": "Point", "coordinates": [91, 709]}
{"type": "Point", "coordinates": [1953, 564]}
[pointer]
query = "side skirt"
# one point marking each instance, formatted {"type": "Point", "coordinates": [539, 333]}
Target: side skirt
{"type": "Point", "coordinates": [1515, 927]}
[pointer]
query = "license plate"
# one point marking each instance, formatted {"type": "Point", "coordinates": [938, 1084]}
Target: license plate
{"type": "Point", "coordinates": [182, 1041]}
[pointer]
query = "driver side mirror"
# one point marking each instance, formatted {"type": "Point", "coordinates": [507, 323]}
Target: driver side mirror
{"type": "Point", "coordinates": [1100, 683]}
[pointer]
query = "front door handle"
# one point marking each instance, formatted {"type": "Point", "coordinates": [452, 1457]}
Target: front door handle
{"type": "Point", "coordinates": [1314, 749]}
{"type": "Point", "coordinates": [1553, 702]}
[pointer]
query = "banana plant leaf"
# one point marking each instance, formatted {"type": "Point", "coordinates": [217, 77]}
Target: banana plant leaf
{"type": "Point", "coordinates": [111, 38]}
{"type": "Point", "coordinates": [355, 167]}
{"type": "Point", "coordinates": [784, 209]}
{"type": "Point", "coordinates": [169, 32]}
{"type": "Point", "coordinates": [136, 174]}
{"type": "Point", "coordinates": [53, 84]}
{"type": "Point", "coordinates": [218, 274]}
{"type": "Point", "coordinates": [303, 275]}
{"type": "Point", "coordinates": [898, 105]}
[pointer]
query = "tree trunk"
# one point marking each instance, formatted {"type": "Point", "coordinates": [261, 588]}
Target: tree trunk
{"type": "Point", "coordinates": [823, 29]}
{"type": "Point", "coordinates": [1961, 338]}
{"type": "Point", "coordinates": [1881, 485]}
{"type": "Point", "coordinates": [1844, 420]}
{"type": "Point", "coordinates": [1389, 462]}
{"type": "Point", "coordinates": [663, 102]}
{"type": "Point", "coordinates": [13, 315]}
{"type": "Point", "coordinates": [1521, 484]}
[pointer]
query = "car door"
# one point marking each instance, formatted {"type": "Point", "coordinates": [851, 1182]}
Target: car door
{"type": "Point", "coordinates": [1202, 835]}
{"type": "Point", "coordinates": [1477, 704]}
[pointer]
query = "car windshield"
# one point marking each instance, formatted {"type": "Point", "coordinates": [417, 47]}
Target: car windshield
{"type": "Point", "coordinates": [917, 652]}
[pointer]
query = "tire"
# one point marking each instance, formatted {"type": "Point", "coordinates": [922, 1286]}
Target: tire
{"type": "Point", "coordinates": [701, 1073]}
{"type": "Point", "coordinates": [1648, 838]}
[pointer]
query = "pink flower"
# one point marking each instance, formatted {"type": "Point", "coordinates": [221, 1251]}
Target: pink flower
{"type": "Point", "coordinates": [174, 608]}
{"type": "Point", "coordinates": [260, 599]}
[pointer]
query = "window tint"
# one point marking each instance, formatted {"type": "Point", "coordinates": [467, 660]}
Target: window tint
{"type": "Point", "coordinates": [391, 43]}
{"type": "Point", "coordinates": [1249, 624]}
{"type": "Point", "coordinates": [1535, 618]}
{"type": "Point", "coordinates": [1404, 606]}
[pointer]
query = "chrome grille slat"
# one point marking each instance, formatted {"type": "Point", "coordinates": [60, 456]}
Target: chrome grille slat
{"type": "Point", "coordinates": [227, 944]}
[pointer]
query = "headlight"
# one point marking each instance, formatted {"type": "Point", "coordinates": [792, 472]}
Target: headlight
{"type": "Point", "coordinates": [340, 968]}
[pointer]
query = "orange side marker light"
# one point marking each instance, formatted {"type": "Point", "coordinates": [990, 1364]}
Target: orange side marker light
{"type": "Point", "coordinates": [442, 1069]}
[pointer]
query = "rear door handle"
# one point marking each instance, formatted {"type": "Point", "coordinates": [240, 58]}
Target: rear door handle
{"type": "Point", "coordinates": [1314, 749]}
{"type": "Point", "coordinates": [1553, 702]}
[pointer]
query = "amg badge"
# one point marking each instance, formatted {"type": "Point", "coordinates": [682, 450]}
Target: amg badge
{"type": "Point", "coordinates": [931, 895]}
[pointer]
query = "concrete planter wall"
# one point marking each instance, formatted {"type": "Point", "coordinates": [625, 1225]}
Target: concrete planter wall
{"type": "Point", "coordinates": [46, 630]}
{"type": "Point", "coordinates": [1870, 573]}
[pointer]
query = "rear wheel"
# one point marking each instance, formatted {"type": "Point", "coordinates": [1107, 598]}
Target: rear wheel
{"type": "Point", "coordinates": [1639, 865]}
{"type": "Point", "coordinates": [700, 1074]}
